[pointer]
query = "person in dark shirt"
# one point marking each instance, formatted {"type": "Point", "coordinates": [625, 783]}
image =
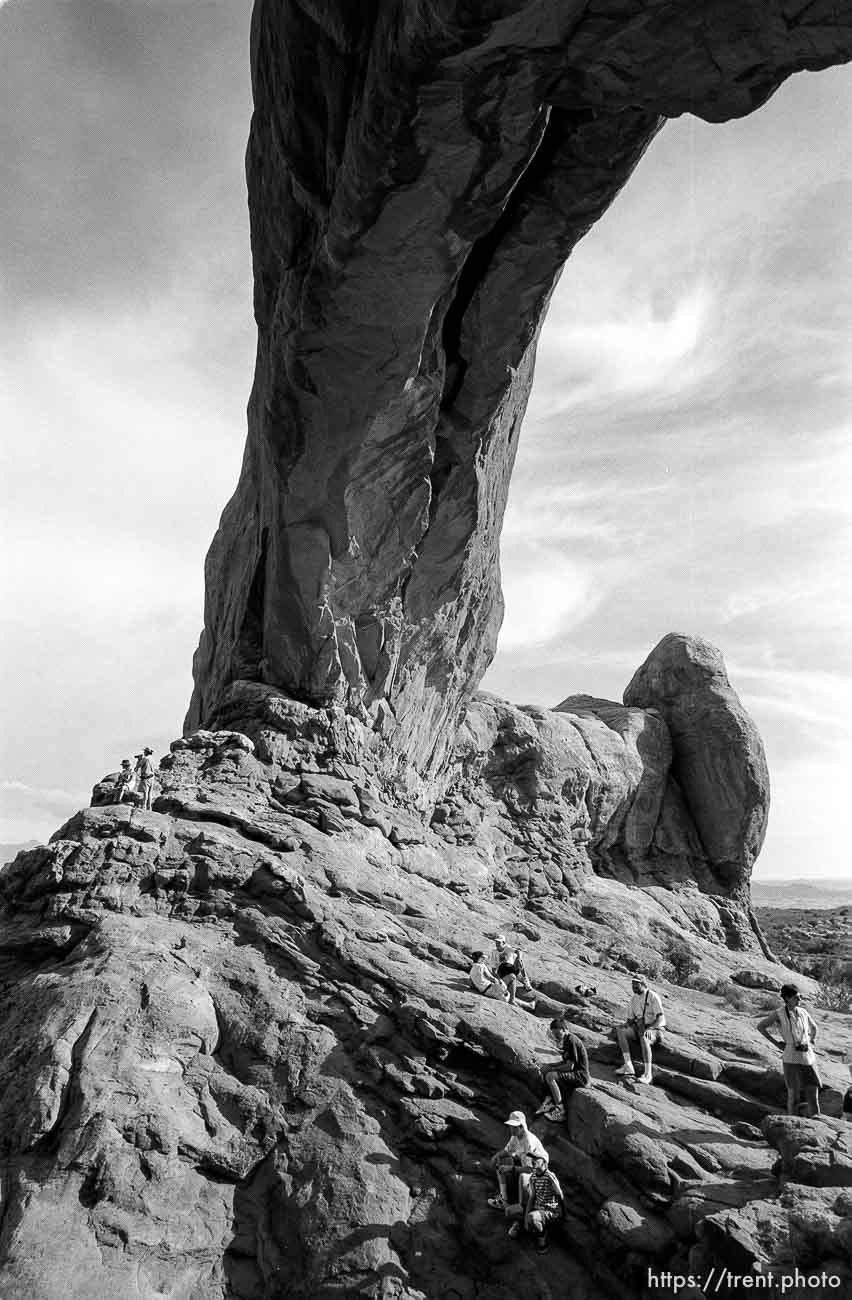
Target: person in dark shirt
{"type": "Point", "coordinates": [544, 1205]}
{"type": "Point", "coordinates": [571, 1072]}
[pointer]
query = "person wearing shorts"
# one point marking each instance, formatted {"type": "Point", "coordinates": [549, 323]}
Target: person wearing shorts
{"type": "Point", "coordinates": [509, 965]}
{"type": "Point", "coordinates": [571, 1072]}
{"type": "Point", "coordinates": [511, 1164]}
{"type": "Point", "coordinates": [544, 1205]}
{"type": "Point", "coordinates": [644, 1024]}
{"type": "Point", "coordinates": [798, 1058]}
{"type": "Point", "coordinates": [483, 979]}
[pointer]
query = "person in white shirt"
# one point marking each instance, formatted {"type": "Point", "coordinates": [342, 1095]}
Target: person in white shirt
{"type": "Point", "coordinates": [798, 1059]}
{"type": "Point", "coordinates": [514, 1164]}
{"type": "Point", "coordinates": [644, 1023]}
{"type": "Point", "coordinates": [483, 979]}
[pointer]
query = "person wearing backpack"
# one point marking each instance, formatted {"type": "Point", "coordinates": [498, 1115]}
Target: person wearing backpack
{"type": "Point", "coordinates": [644, 1025]}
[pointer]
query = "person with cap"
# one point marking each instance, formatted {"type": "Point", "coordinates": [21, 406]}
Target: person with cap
{"type": "Point", "coordinates": [544, 1205]}
{"type": "Point", "coordinates": [509, 965]}
{"type": "Point", "coordinates": [124, 784]}
{"type": "Point", "coordinates": [644, 1025]}
{"type": "Point", "coordinates": [798, 1058]}
{"type": "Point", "coordinates": [483, 979]}
{"type": "Point", "coordinates": [571, 1072]}
{"type": "Point", "coordinates": [510, 1160]}
{"type": "Point", "coordinates": [145, 773]}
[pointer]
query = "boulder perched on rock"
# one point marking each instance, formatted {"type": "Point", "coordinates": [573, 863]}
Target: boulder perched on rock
{"type": "Point", "coordinates": [718, 759]}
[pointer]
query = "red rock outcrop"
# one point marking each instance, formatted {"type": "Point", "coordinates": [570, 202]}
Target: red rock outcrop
{"type": "Point", "coordinates": [418, 174]}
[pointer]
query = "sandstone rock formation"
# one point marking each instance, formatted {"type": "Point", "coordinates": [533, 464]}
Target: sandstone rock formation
{"type": "Point", "coordinates": [413, 199]}
{"type": "Point", "coordinates": [717, 755]}
{"type": "Point", "coordinates": [243, 1060]}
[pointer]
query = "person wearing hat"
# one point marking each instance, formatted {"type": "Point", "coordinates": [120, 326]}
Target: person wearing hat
{"type": "Point", "coordinates": [509, 965]}
{"type": "Point", "coordinates": [798, 1059]}
{"type": "Point", "coordinates": [545, 1203]}
{"type": "Point", "coordinates": [145, 773]}
{"type": "Point", "coordinates": [124, 783]}
{"type": "Point", "coordinates": [644, 1024]}
{"type": "Point", "coordinates": [509, 1163]}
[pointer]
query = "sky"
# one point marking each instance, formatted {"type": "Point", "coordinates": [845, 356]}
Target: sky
{"type": "Point", "coordinates": [685, 463]}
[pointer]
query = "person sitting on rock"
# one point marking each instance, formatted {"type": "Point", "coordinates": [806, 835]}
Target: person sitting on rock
{"type": "Point", "coordinates": [571, 1072]}
{"type": "Point", "coordinates": [124, 784]}
{"type": "Point", "coordinates": [644, 1024]}
{"type": "Point", "coordinates": [509, 1164]}
{"type": "Point", "coordinates": [145, 773]}
{"type": "Point", "coordinates": [544, 1204]}
{"type": "Point", "coordinates": [798, 1059]}
{"type": "Point", "coordinates": [483, 979]}
{"type": "Point", "coordinates": [509, 965]}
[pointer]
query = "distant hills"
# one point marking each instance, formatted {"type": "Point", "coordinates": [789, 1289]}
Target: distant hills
{"type": "Point", "coordinates": [815, 894]}
{"type": "Point", "coordinates": [10, 851]}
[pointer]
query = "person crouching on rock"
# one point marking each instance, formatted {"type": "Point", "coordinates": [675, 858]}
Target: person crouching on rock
{"type": "Point", "coordinates": [798, 1059]}
{"type": "Point", "coordinates": [644, 1024]}
{"type": "Point", "coordinates": [509, 1162]}
{"type": "Point", "coordinates": [571, 1072]}
{"type": "Point", "coordinates": [483, 979]}
{"type": "Point", "coordinates": [545, 1203]}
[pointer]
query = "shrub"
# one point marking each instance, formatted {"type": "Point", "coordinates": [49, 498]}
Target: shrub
{"type": "Point", "coordinates": [834, 995]}
{"type": "Point", "coordinates": [737, 999]}
{"type": "Point", "coordinates": [681, 961]}
{"type": "Point", "coordinates": [703, 984]}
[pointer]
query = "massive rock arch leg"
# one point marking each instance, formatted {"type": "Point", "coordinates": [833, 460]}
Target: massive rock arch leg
{"type": "Point", "coordinates": [417, 179]}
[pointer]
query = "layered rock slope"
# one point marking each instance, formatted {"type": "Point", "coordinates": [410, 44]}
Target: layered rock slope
{"type": "Point", "coordinates": [418, 174]}
{"type": "Point", "coordinates": [243, 1059]}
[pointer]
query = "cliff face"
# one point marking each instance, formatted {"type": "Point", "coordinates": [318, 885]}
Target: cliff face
{"type": "Point", "coordinates": [418, 175]}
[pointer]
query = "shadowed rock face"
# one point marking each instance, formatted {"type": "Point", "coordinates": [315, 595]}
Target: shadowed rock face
{"type": "Point", "coordinates": [418, 175]}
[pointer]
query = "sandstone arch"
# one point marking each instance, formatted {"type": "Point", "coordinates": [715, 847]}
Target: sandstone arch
{"type": "Point", "coordinates": [418, 175]}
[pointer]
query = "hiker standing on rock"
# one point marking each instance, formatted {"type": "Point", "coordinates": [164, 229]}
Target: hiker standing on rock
{"type": "Point", "coordinates": [571, 1072]}
{"type": "Point", "coordinates": [644, 1024]}
{"type": "Point", "coordinates": [483, 979]}
{"type": "Point", "coordinates": [145, 773]}
{"type": "Point", "coordinates": [798, 1059]}
{"type": "Point", "coordinates": [509, 1163]}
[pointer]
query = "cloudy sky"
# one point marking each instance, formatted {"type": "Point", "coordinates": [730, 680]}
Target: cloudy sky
{"type": "Point", "coordinates": [685, 463]}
